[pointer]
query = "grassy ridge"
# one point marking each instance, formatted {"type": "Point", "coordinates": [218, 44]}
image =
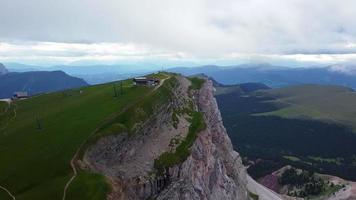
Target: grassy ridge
{"type": "Point", "coordinates": [325, 103]}
{"type": "Point", "coordinates": [137, 113]}
{"type": "Point", "coordinates": [35, 162]}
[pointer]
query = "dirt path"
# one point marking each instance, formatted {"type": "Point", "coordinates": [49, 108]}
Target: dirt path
{"type": "Point", "coordinates": [8, 192]}
{"type": "Point", "coordinates": [13, 118]}
{"type": "Point", "coordinates": [72, 161]}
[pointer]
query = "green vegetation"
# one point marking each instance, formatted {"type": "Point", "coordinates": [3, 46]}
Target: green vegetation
{"type": "Point", "coordinates": [323, 103]}
{"type": "Point", "coordinates": [253, 196]}
{"type": "Point", "coordinates": [170, 159]}
{"type": "Point", "coordinates": [4, 195]}
{"type": "Point", "coordinates": [297, 138]}
{"type": "Point", "coordinates": [6, 114]}
{"type": "Point", "coordinates": [132, 117]}
{"type": "Point", "coordinates": [329, 190]}
{"type": "Point", "coordinates": [88, 186]}
{"type": "Point", "coordinates": [306, 184]}
{"type": "Point", "coordinates": [35, 162]}
{"type": "Point", "coordinates": [296, 159]}
{"type": "Point", "coordinates": [197, 83]}
{"type": "Point", "coordinates": [336, 161]}
{"type": "Point", "coordinates": [292, 158]}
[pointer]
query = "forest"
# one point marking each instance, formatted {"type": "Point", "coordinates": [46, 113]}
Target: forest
{"type": "Point", "coordinates": [274, 141]}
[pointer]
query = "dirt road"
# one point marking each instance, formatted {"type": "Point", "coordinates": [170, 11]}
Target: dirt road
{"type": "Point", "coordinates": [8, 192]}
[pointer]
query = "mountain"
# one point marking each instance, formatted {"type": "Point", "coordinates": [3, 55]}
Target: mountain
{"type": "Point", "coordinates": [121, 141]}
{"type": "Point", "coordinates": [3, 69]}
{"type": "Point", "coordinates": [37, 82]}
{"type": "Point", "coordinates": [242, 88]}
{"type": "Point", "coordinates": [93, 74]}
{"type": "Point", "coordinates": [275, 76]}
{"type": "Point", "coordinates": [308, 126]}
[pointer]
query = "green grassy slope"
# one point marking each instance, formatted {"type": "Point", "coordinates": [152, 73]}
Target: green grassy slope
{"type": "Point", "coordinates": [326, 103]}
{"type": "Point", "coordinates": [35, 162]}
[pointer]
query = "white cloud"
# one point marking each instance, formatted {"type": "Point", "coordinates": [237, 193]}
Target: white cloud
{"type": "Point", "coordinates": [67, 53]}
{"type": "Point", "coordinates": [67, 30]}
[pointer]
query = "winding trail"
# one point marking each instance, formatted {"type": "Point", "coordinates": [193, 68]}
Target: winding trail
{"type": "Point", "coordinates": [13, 118]}
{"type": "Point", "coordinates": [74, 158]}
{"type": "Point", "coordinates": [8, 192]}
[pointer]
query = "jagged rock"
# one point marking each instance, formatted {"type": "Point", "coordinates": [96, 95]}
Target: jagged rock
{"type": "Point", "coordinates": [213, 170]}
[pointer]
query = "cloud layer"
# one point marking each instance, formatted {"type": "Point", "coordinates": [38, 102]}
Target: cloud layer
{"type": "Point", "coordinates": [68, 30]}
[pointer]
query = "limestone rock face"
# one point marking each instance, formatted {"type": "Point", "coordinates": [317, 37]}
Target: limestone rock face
{"type": "Point", "coordinates": [213, 170]}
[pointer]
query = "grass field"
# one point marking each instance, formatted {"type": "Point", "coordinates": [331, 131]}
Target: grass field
{"type": "Point", "coordinates": [333, 104]}
{"type": "Point", "coordinates": [37, 145]}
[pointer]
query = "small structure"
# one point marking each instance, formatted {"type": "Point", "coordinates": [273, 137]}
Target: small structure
{"type": "Point", "coordinates": [20, 95]}
{"type": "Point", "coordinates": [146, 81]}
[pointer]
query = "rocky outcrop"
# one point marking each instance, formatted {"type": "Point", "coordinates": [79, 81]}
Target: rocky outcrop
{"type": "Point", "coordinates": [128, 160]}
{"type": "Point", "coordinates": [213, 170]}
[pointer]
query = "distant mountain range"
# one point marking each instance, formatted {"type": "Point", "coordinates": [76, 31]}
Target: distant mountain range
{"type": "Point", "coordinates": [93, 74]}
{"type": "Point", "coordinates": [36, 82]}
{"type": "Point", "coordinates": [274, 76]}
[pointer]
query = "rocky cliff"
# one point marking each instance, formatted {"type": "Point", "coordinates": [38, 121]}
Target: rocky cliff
{"type": "Point", "coordinates": [211, 170]}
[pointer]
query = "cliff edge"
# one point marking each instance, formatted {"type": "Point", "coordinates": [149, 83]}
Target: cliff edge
{"type": "Point", "coordinates": [213, 170]}
{"type": "Point", "coordinates": [181, 151]}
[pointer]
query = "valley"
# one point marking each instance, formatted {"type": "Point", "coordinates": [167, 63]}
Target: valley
{"type": "Point", "coordinates": [307, 126]}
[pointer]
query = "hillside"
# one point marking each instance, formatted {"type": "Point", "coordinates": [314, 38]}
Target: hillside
{"type": "Point", "coordinates": [333, 104]}
{"type": "Point", "coordinates": [242, 88]}
{"type": "Point", "coordinates": [65, 120]}
{"type": "Point", "coordinates": [37, 82]}
{"type": "Point", "coordinates": [120, 141]}
{"type": "Point", "coordinates": [308, 126]}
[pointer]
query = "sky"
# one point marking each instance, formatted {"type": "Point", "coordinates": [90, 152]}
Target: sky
{"type": "Point", "coordinates": [174, 32]}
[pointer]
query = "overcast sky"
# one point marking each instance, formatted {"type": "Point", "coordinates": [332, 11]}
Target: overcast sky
{"type": "Point", "coordinates": [199, 31]}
